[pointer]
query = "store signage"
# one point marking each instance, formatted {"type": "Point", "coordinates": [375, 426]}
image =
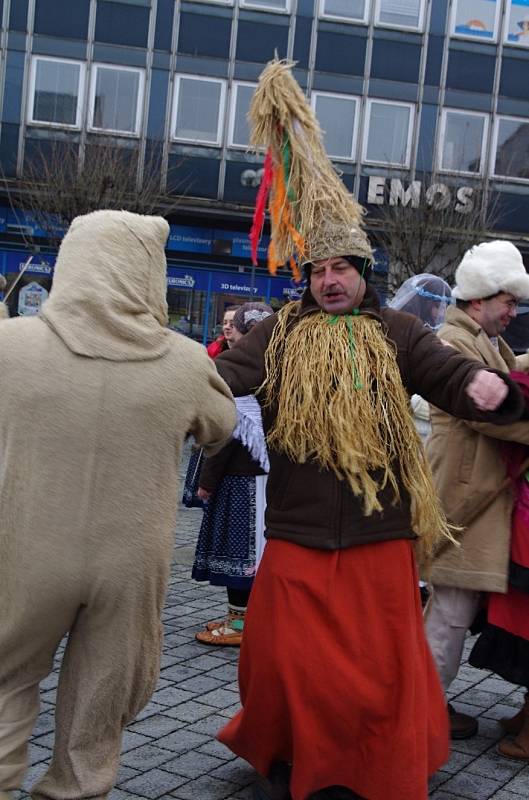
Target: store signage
{"type": "Point", "coordinates": [40, 265]}
{"type": "Point", "coordinates": [184, 282]}
{"type": "Point", "coordinates": [213, 242]}
{"type": "Point", "coordinates": [190, 240]}
{"type": "Point", "coordinates": [232, 283]}
{"type": "Point", "coordinates": [237, 283]}
{"type": "Point", "coordinates": [30, 299]}
{"type": "Point", "coordinates": [393, 191]}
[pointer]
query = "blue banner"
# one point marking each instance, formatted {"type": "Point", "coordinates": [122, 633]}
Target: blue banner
{"type": "Point", "coordinates": [24, 222]}
{"type": "Point", "coordinates": [237, 283]}
{"type": "Point", "coordinates": [213, 241]}
{"type": "Point", "coordinates": [187, 278]}
{"type": "Point", "coordinates": [40, 265]}
{"type": "Point", "coordinates": [190, 240]}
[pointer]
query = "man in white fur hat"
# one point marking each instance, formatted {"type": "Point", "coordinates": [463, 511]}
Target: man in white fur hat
{"type": "Point", "coordinates": [466, 462]}
{"type": "Point", "coordinates": [97, 397]}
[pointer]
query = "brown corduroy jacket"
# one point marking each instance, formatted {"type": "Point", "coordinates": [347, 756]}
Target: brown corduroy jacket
{"type": "Point", "coordinates": [310, 506]}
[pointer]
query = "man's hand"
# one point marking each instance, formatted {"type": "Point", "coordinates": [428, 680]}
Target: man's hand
{"type": "Point", "coordinates": [487, 390]}
{"type": "Point", "coordinates": [204, 494]}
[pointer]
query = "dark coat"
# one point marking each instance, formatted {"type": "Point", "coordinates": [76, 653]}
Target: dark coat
{"type": "Point", "coordinates": [233, 459]}
{"type": "Point", "coordinates": [308, 505]}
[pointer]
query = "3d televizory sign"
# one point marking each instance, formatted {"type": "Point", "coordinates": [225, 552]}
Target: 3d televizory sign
{"type": "Point", "coordinates": [438, 195]}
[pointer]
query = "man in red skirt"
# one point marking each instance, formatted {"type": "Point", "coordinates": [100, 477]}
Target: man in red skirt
{"type": "Point", "coordinates": [340, 695]}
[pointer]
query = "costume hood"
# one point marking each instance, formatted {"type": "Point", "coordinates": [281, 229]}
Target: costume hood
{"type": "Point", "coordinates": [108, 298]}
{"type": "Point", "coordinates": [489, 268]}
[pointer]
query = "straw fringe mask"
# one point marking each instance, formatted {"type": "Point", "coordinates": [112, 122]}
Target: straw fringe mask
{"type": "Point", "coordinates": [340, 401]}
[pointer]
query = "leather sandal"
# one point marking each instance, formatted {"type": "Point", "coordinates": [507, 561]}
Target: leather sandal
{"type": "Point", "coordinates": [513, 725]}
{"type": "Point", "coordinates": [510, 748]}
{"type": "Point", "coordinates": [223, 636]}
{"type": "Point", "coordinates": [211, 626]}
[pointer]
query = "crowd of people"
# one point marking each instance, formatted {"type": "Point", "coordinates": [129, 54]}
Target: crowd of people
{"type": "Point", "coordinates": [307, 411]}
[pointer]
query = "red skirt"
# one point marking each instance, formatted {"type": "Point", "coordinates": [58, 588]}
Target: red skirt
{"type": "Point", "coordinates": [336, 676]}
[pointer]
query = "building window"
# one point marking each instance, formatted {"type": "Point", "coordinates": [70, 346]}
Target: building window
{"type": "Point", "coordinates": [476, 19]}
{"type": "Point", "coordinates": [240, 105]}
{"type": "Point", "coordinates": [344, 9]}
{"type": "Point", "coordinates": [511, 148]}
{"type": "Point", "coordinates": [198, 109]}
{"type": "Point", "coordinates": [517, 29]}
{"type": "Point", "coordinates": [400, 13]}
{"type": "Point", "coordinates": [463, 141]}
{"type": "Point", "coordinates": [337, 115]}
{"type": "Point", "coordinates": [269, 5]}
{"type": "Point", "coordinates": [388, 133]}
{"type": "Point", "coordinates": [116, 99]}
{"type": "Point", "coordinates": [56, 88]}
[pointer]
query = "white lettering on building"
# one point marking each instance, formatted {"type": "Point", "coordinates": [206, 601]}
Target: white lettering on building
{"type": "Point", "coordinates": [381, 190]}
{"type": "Point", "coordinates": [186, 282]}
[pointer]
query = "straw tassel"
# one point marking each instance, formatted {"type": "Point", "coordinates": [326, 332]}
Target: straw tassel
{"type": "Point", "coordinates": [311, 211]}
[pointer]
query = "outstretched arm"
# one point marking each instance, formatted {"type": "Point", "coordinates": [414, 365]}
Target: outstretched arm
{"type": "Point", "coordinates": [215, 415]}
{"type": "Point", "coordinates": [242, 367]}
{"type": "Point", "coordinates": [459, 383]}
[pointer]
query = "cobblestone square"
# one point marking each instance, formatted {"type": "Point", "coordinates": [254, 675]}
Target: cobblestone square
{"type": "Point", "coordinates": [170, 750]}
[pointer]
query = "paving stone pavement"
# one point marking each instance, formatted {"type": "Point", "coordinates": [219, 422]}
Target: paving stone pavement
{"type": "Point", "coordinates": [170, 750]}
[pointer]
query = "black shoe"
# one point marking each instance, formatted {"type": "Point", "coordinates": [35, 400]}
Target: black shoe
{"type": "Point", "coordinates": [462, 726]}
{"type": "Point", "coordinates": [276, 786]}
{"type": "Point", "coordinates": [335, 793]}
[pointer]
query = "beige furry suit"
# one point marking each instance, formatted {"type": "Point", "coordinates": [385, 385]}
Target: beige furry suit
{"type": "Point", "coordinates": [96, 398]}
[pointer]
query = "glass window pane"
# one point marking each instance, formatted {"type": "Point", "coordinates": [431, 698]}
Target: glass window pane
{"type": "Point", "coordinates": [462, 144]}
{"type": "Point", "coordinates": [198, 110]}
{"type": "Point", "coordinates": [116, 99]}
{"type": "Point", "coordinates": [400, 12]}
{"type": "Point", "coordinates": [56, 92]}
{"type": "Point", "coordinates": [349, 9]}
{"type": "Point", "coordinates": [518, 25]}
{"type": "Point", "coordinates": [475, 18]}
{"type": "Point", "coordinates": [336, 116]}
{"type": "Point", "coordinates": [282, 5]}
{"type": "Point", "coordinates": [241, 131]}
{"type": "Point", "coordinates": [388, 133]}
{"type": "Point", "coordinates": [512, 149]}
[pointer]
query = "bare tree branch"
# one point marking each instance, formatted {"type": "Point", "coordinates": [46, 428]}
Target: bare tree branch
{"type": "Point", "coordinates": [430, 230]}
{"type": "Point", "coordinates": [56, 186]}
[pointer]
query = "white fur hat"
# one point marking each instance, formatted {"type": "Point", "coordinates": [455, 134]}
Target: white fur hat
{"type": "Point", "coordinates": [489, 268]}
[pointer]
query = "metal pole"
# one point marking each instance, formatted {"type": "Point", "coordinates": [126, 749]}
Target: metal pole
{"type": "Point", "coordinates": [24, 268]}
{"type": "Point", "coordinates": [206, 315]}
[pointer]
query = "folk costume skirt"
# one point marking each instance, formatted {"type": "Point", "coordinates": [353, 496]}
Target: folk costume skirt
{"type": "Point", "coordinates": [230, 541]}
{"type": "Point", "coordinates": [335, 674]}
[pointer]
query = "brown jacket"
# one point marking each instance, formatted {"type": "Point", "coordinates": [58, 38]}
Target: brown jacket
{"type": "Point", "coordinates": [467, 466]}
{"type": "Point", "coordinates": [310, 506]}
{"type": "Point", "coordinates": [233, 459]}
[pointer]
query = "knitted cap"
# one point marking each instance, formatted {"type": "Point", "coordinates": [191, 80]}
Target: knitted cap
{"type": "Point", "coordinates": [489, 268]}
{"type": "Point", "coordinates": [250, 314]}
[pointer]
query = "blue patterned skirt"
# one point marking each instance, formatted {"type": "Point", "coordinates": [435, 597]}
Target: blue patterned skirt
{"type": "Point", "coordinates": [225, 553]}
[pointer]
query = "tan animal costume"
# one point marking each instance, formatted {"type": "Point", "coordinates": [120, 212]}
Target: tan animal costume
{"type": "Point", "coordinates": [97, 397]}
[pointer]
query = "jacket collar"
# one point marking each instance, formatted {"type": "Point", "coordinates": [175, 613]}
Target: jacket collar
{"type": "Point", "coordinates": [459, 318]}
{"type": "Point", "coordinates": [456, 316]}
{"type": "Point", "coordinates": [370, 305]}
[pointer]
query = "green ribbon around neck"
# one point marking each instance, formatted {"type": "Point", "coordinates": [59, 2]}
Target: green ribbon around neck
{"type": "Point", "coordinates": [333, 319]}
